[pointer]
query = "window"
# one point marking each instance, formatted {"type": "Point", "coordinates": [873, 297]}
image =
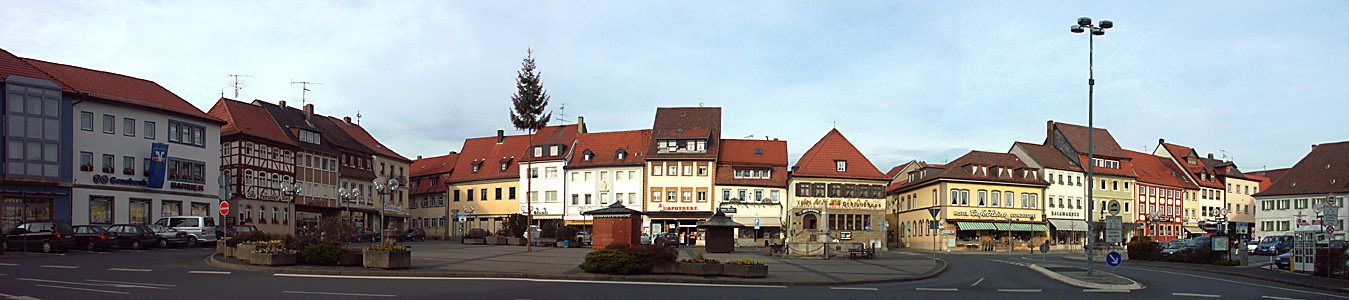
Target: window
{"type": "Point", "coordinates": [128, 127]}
{"type": "Point", "coordinates": [108, 164]}
{"type": "Point", "coordinates": [100, 210]}
{"type": "Point", "coordinates": [195, 135]}
{"type": "Point", "coordinates": [149, 130]}
{"type": "Point", "coordinates": [702, 170]}
{"type": "Point", "coordinates": [186, 170]}
{"type": "Point", "coordinates": [145, 166]}
{"type": "Point", "coordinates": [702, 196]}
{"type": "Point", "coordinates": [688, 170]}
{"type": "Point", "coordinates": [129, 165]}
{"type": "Point", "coordinates": [533, 172]}
{"type": "Point", "coordinates": [109, 124]}
{"type": "Point", "coordinates": [687, 196]}
{"type": "Point", "coordinates": [587, 198]}
{"type": "Point", "coordinates": [510, 194]}
{"type": "Point", "coordinates": [538, 151]}
{"type": "Point", "coordinates": [550, 172]}
{"type": "Point", "coordinates": [86, 120]}
{"type": "Point", "coordinates": [655, 171]}
{"type": "Point", "coordinates": [139, 211]}
{"type": "Point", "coordinates": [983, 196]}
{"type": "Point", "coordinates": [483, 195]}
{"type": "Point", "coordinates": [997, 199]}
{"type": "Point", "coordinates": [965, 197]}
{"type": "Point", "coordinates": [672, 170]}
{"type": "Point", "coordinates": [841, 165]}
{"type": "Point", "coordinates": [955, 197]}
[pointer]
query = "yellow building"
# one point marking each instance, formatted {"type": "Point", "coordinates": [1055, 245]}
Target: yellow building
{"type": "Point", "coordinates": [986, 201]}
{"type": "Point", "coordinates": [485, 182]}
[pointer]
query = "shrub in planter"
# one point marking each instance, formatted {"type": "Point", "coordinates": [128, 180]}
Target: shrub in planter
{"type": "Point", "coordinates": [615, 262]}
{"type": "Point", "coordinates": [655, 255]}
{"type": "Point", "coordinates": [244, 250]}
{"type": "Point", "coordinates": [386, 257]}
{"type": "Point", "coordinates": [617, 246]}
{"type": "Point", "coordinates": [1145, 249]}
{"type": "Point", "coordinates": [272, 257]}
{"type": "Point", "coordinates": [321, 254]}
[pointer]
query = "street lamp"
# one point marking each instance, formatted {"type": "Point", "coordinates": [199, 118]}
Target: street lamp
{"type": "Point", "coordinates": [348, 196]}
{"type": "Point", "coordinates": [1083, 25]}
{"type": "Point", "coordinates": [288, 192]}
{"type": "Point", "coordinates": [383, 190]}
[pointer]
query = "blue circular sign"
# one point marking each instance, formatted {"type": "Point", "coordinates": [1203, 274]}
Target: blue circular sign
{"type": "Point", "coordinates": [1113, 259]}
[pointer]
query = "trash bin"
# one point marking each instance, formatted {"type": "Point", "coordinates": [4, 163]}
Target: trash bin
{"type": "Point", "coordinates": [566, 243]}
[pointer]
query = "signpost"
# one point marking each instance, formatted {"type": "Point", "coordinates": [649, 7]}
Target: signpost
{"type": "Point", "coordinates": [224, 208]}
{"type": "Point", "coordinates": [934, 211]}
{"type": "Point", "coordinates": [1113, 207]}
{"type": "Point", "coordinates": [756, 224]}
{"type": "Point", "coordinates": [1114, 229]}
{"type": "Point", "coordinates": [1113, 259]}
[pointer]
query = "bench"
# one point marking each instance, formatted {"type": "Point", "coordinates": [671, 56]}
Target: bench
{"type": "Point", "coordinates": [863, 252]}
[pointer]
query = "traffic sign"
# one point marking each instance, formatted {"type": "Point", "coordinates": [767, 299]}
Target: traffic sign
{"type": "Point", "coordinates": [224, 207]}
{"type": "Point", "coordinates": [1113, 207]}
{"type": "Point", "coordinates": [1330, 229]}
{"type": "Point", "coordinates": [1330, 199]}
{"type": "Point", "coordinates": [1113, 259]}
{"type": "Point", "coordinates": [756, 224]}
{"type": "Point", "coordinates": [934, 211]}
{"type": "Point", "coordinates": [1044, 247]}
{"type": "Point", "coordinates": [1114, 229]}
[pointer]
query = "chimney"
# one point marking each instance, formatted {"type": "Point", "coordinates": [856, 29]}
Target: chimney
{"type": "Point", "coordinates": [282, 103]}
{"type": "Point", "coordinates": [580, 124]}
{"type": "Point", "coordinates": [501, 136]}
{"type": "Point", "coordinates": [1161, 141]}
{"type": "Point", "coordinates": [308, 111]}
{"type": "Point", "coordinates": [419, 157]}
{"type": "Point", "coordinates": [347, 119]}
{"type": "Point", "coordinates": [1210, 156]}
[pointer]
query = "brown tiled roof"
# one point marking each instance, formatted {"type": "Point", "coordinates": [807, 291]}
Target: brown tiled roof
{"type": "Point", "coordinates": [686, 122]}
{"type": "Point", "coordinates": [357, 132]}
{"type": "Point", "coordinates": [605, 146]}
{"type": "Point", "coordinates": [1048, 157]}
{"type": "Point", "coordinates": [290, 117]}
{"type": "Point", "coordinates": [335, 136]}
{"type": "Point", "coordinates": [431, 173]}
{"type": "Point", "coordinates": [1077, 137]}
{"type": "Point", "coordinates": [1159, 171]}
{"type": "Point", "coordinates": [248, 119]}
{"type": "Point", "coordinates": [819, 160]}
{"type": "Point", "coordinates": [1272, 174]}
{"type": "Point", "coordinates": [960, 169]}
{"type": "Point", "coordinates": [121, 88]}
{"type": "Point", "coordinates": [1325, 170]}
{"type": "Point", "coordinates": [11, 65]}
{"type": "Point", "coordinates": [554, 135]}
{"type": "Point", "coordinates": [752, 154]}
{"type": "Point", "coordinates": [1180, 152]}
{"type": "Point", "coordinates": [489, 154]}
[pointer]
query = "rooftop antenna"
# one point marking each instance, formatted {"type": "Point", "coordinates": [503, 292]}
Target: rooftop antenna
{"type": "Point", "coordinates": [304, 89]}
{"type": "Point", "coordinates": [1224, 152]}
{"type": "Point", "coordinates": [358, 117]}
{"type": "Point", "coordinates": [748, 136]}
{"type": "Point", "coordinates": [237, 85]}
{"type": "Point", "coordinates": [562, 113]}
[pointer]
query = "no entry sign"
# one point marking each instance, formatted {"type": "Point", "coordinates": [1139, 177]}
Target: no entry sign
{"type": "Point", "coordinates": [224, 207]}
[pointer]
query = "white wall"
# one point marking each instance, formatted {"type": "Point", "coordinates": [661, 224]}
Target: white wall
{"type": "Point", "coordinates": [630, 184]}
{"type": "Point", "coordinates": [542, 185]}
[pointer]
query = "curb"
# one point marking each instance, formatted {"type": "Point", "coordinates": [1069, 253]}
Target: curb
{"type": "Point", "coordinates": [1275, 280]}
{"type": "Point", "coordinates": [1084, 284]}
{"type": "Point", "coordinates": [213, 261]}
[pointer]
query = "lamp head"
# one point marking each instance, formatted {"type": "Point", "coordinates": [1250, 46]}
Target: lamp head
{"type": "Point", "coordinates": [1106, 24]}
{"type": "Point", "coordinates": [1077, 29]}
{"type": "Point", "coordinates": [393, 184]}
{"type": "Point", "coordinates": [1098, 31]}
{"type": "Point", "coordinates": [1084, 21]}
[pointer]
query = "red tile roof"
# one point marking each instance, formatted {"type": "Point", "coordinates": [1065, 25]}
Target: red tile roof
{"type": "Point", "coordinates": [1048, 157]}
{"type": "Point", "coordinates": [431, 173]}
{"type": "Point", "coordinates": [357, 132]}
{"type": "Point", "coordinates": [563, 135]}
{"type": "Point", "coordinates": [11, 65]}
{"type": "Point", "coordinates": [819, 160]}
{"type": "Point", "coordinates": [752, 155]}
{"type": "Point", "coordinates": [121, 88]}
{"type": "Point", "coordinates": [1181, 152]}
{"type": "Point", "coordinates": [336, 137]}
{"type": "Point", "coordinates": [960, 169]}
{"type": "Point", "coordinates": [1158, 170]}
{"type": "Point", "coordinates": [1265, 182]}
{"type": "Point", "coordinates": [683, 123]}
{"type": "Point", "coordinates": [605, 146]}
{"type": "Point", "coordinates": [248, 119]}
{"type": "Point", "coordinates": [1076, 136]}
{"type": "Point", "coordinates": [489, 154]}
{"type": "Point", "coordinates": [1272, 174]}
{"type": "Point", "coordinates": [1325, 170]}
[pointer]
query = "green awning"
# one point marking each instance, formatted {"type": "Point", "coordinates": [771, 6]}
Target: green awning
{"type": "Point", "coordinates": [1039, 227]}
{"type": "Point", "coordinates": [976, 226]}
{"type": "Point", "coordinates": [1013, 227]}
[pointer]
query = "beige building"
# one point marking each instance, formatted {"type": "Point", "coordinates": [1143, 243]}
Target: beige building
{"type": "Point", "coordinates": [986, 201]}
{"type": "Point", "coordinates": [837, 199]}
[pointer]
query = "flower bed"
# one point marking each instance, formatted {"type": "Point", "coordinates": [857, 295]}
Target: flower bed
{"type": "Point", "coordinates": [386, 257]}
{"type": "Point", "coordinates": [271, 253]}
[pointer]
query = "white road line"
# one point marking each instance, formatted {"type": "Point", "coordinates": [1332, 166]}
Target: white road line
{"type": "Point", "coordinates": [338, 294]}
{"type": "Point", "coordinates": [1278, 298]}
{"type": "Point", "coordinates": [209, 272]}
{"type": "Point", "coordinates": [1019, 290]}
{"type": "Point", "coordinates": [1195, 295]}
{"type": "Point", "coordinates": [529, 280]}
{"type": "Point", "coordinates": [936, 289]}
{"type": "Point", "coordinates": [13, 297]}
{"type": "Point", "coordinates": [129, 270]}
{"type": "Point", "coordinates": [60, 267]}
{"type": "Point", "coordinates": [853, 288]}
{"type": "Point", "coordinates": [1243, 283]}
{"type": "Point", "coordinates": [1104, 291]}
{"type": "Point", "coordinates": [8, 264]}
{"type": "Point", "coordinates": [82, 289]}
{"type": "Point", "coordinates": [133, 283]}
{"type": "Point", "coordinates": [977, 282]}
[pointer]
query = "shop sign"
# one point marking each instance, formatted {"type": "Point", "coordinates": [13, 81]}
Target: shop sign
{"type": "Point", "coordinates": [105, 179]}
{"type": "Point", "coordinates": [726, 210]}
{"type": "Point", "coordinates": [846, 235]}
{"type": "Point", "coordinates": [159, 153]}
{"type": "Point", "coordinates": [187, 186]}
{"type": "Point", "coordinates": [679, 208]}
{"type": "Point", "coordinates": [990, 213]}
{"type": "Point", "coordinates": [842, 203]}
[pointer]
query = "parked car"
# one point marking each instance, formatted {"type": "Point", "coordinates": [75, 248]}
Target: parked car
{"type": "Point", "coordinates": [1251, 245]}
{"type": "Point", "coordinates": [1202, 242]}
{"type": "Point", "coordinates": [134, 236]}
{"type": "Point", "coordinates": [666, 239]}
{"type": "Point", "coordinates": [1283, 260]}
{"type": "Point", "coordinates": [48, 237]}
{"type": "Point", "coordinates": [413, 234]}
{"type": "Point", "coordinates": [93, 238]}
{"type": "Point", "coordinates": [199, 229]}
{"type": "Point", "coordinates": [1173, 246]}
{"type": "Point", "coordinates": [1274, 245]}
{"type": "Point", "coordinates": [646, 239]}
{"type": "Point", "coordinates": [367, 234]}
{"type": "Point", "coordinates": [583, 237]}
{"type": "Point", "coordinates": [236, 230]}
{"type": "Point", "coordinates": [169, 236]}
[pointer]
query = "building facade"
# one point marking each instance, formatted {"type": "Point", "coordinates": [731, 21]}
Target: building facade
{"type": "Point", "coordinates": [1063, 207]}
{"type": "Point", "coordinates": [316, 168]}
{"type": "Point", "coordinates": [485, 183]}
{"type": "Point", "coordinates": [1207, 202]}
{"type": "Point", "coordinates": [751, 185]}
{"type": "Point", "coordinates": [394, 204]}
{"type": "Point", "coordinates": [427, 209]}
{"type": "Point", "coordinates": [608, 165]}
{"type": "Point", "coordinates": [1160, 197]}
{"type": "Point", "coordinates": [543, 170]}
{"type": "Point", "coordinates": [257, 157]}
{"type": "Point", "coordinates": [1291, 199]}
{"type": "Point", "coordinates": [986, 201]}
{"type": "Point", "coordinates": [1112, 170]}
{"type": "Point", "coordinates": [838, 196]}
{"type": "Point", "coordinates": [355, 175]}
{"type": "Point", "coordinates": [679, 163]}
{"type": "Point", "coordinates": [35, 171]}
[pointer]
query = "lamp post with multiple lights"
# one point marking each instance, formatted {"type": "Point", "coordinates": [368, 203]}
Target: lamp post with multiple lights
{"type": "Point", "coordinates": [1084, 25]}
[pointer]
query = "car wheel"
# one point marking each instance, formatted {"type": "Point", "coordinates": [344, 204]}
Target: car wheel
{"type": "Point", "coordinates": [136, 244]}
{"type": "Point", "coordinates": [47, 247]}
{"type": "Point", "coordinates": [90, 246]}
{"type": "Point", "coordinates": [192, 242]}
{"type": "Point", "coordinates": [163, 243]}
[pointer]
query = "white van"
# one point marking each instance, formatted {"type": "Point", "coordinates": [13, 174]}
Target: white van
{"type": "Point", "coordinates": [198, 228]}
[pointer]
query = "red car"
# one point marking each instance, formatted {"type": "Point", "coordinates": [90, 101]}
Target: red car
{"type": "Point", "coordinates": [93, 238]}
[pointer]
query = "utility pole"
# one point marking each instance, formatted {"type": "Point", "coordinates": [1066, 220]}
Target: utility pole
{"type": "Point", "coordinates": [237, 85]}
{"type": "Point", "coordinates": [304, 90]}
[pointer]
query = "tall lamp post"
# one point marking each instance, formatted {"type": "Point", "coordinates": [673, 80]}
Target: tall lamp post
{"type": "Point", "coordinates": [347, 196]}
{"type": "Point", "coordinates": [383, 190]}
{"type": "Point", "coordinates": [1084, 25]}
{"type": "Point", "coordinates": [288, 192]}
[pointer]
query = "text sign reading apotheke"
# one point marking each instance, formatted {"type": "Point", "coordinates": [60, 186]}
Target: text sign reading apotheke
{"type": "Point", "coordinates": [990, 213]}
{"type": "Point", "coordinates": [680, 208]}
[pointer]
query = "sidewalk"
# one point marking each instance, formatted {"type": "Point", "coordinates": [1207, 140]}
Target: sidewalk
{"type": "Point", "coordinates": [446, 259]}
{"type": "Point", "coordinates": [1279, 276]}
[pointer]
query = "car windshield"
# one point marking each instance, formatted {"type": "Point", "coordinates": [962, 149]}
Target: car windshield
{"type": "Point", "coordinates": [1269, 239]}
{"type": "Point", "coordinates": [1198, 242]}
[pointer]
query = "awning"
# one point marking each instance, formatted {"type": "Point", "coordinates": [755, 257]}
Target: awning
{"type": "Point", "coordinates": [1020, 227]}
{"type": "Point", "coordinates": [579, 222]}
{"type": "Point", "coordinates": [976, 226]}
{"type": "Point", "coordinates": [1069, 225]}
{"type": "Point", "coordinates": [763, 222]}
{"type": "Point", "coordinates": [1191, 229]}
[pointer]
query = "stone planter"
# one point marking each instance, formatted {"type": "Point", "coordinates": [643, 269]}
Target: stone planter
{"type": "Point", "coordinates": [386, 259]}
{"type": "Point", "coordinates": [496, 240]}
{"type": "Point", "coordinates": [244, 252]}
{"type": "Point", "coordinates": [670, 268]}
{"type": "Point", "coordinates": [273, 259]}
{"type": "Point", "coordinates": [351, 258]}
{"type": "Point", "coordinates": [516, 241]}
{"type": "Point", "coordinates": [746, 271]}
{"type": "Point", "coordinates": [475, 242]}
{"type": "Point", "coordinates": [701, 269]}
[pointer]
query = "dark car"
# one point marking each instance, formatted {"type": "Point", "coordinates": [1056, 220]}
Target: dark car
{"type": "Point", "coordinates": [666, 239]}
{"type": "Point", "coordinates": [1282, 261]}
{"type": "Point", "coordinates": [367, 234]}
{"type": "Point", "coordinates": [413, 234]}
{"type": "Point", "coordinates": [93, 238]}
{"type": "Point", "coordinates": [169, 237]}
{"type": "Point", "coordinates": [237, 230]}
{"type": "Point", "coordinates": [134, 236]}
{"type": "Point", "coordinates": [48, 237]}
{"type": "Point", "coordinates": [1203, 242]}
{"type": "Point", "coordinates": [1274, 245]}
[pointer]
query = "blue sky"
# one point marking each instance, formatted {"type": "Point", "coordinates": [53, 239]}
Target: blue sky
{"type": "Point", "coordinates": [1262, 81]}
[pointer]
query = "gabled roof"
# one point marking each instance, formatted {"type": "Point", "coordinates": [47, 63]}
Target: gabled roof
{"type": "Point", "coordinates": [11, 65]}
{"type": "Point", "coordinates": [960, 169]}
{"type": "Point", "coordinates": [357, 132]}
{"type": "Point", "coordinates": [1157, 170]}
{"type": "Point", "coordinates": [1272, 174]}
{"type": "Point", "coordinates": [122, 89]}
{"type": "Point", "coordinates": [752, 154]}
{"type": "Point", "coordinates": [605, 146]}
{"type": "Point", "coordinates": [335, 136]}
{"type": "Point", "coordinates": [1048, 157]}
{"type": "Point", "coordinates": [1076, 136]}
{"type": "Point", "coordinates": [819, 161]}
{"type": "Point", "coordinates": [1325, 170]}
{"type": "Point", "coordinates": [486, 152]}
{"type": "Point", "coordinates": [563, 135]}
{"type": "Point", "coordinates": [1265, 182]}
{"type": "Point", "coordinates": [686, 123]}
{"type": "Point", "coordinates": [289, 117]}
{"type": "Point", "coordinates": [248, 119]}
{"type": "Point", "coordinates": [1180, 153]}
{"type": "Point", "coordinates": [431, 173]}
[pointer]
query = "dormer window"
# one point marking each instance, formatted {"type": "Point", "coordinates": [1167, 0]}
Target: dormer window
{"type": "Point", "coordinates": [310, 137]}
{"type": "Point", "coordinates": [587, 155]}
{"type": "Point", "coordinates": [476, 166]}
{"type": "Point", "coordinates": [538, 151]}
{"type": "Point", "coordinates": [504, 165]}
{"type": "Point", "coordinates": [620, 154]}
{"type": "Point", "coordinates": [552, 151]}
{"type": "Point", "coordinates": [841, 165]}
{"type": "Point", "coordinates": [758, 151]}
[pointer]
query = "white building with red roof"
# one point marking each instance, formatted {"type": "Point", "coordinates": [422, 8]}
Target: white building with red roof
{"type": "Point", "coordinates": [606, 167]}
{"type": "Point", "coordinates": [751, 185]}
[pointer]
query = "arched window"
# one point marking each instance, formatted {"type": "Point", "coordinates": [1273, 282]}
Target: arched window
{"type": "Point", "coordinates": [285, 215]}
{"type": "Point", "coordinates": [248, 177]}
{"type": "Point", "coordinates": [262, 213]}
{"type": "Point", "coordinates": [997, 199]}
{"type": "Point", "coordinates": [983, 198]}
{"type": "Point", "coordinates": [248, 212]}
{"type": "Point", "coordinates": [810, 221]}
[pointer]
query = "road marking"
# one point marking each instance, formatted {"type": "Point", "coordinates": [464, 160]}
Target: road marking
{"type": "Point", "coordinates": [13, 297]}
{"type": "Point", "coordinates": [82, 289]}
{"type": "Point", "coordinates": [60, 267]}
{"type": "Point", "coordinates": [8, 264]}
{"type": "Point", "coordinates": [1020, 290]}
{"type": "Point", "coordinates": [1104, 291]}
{"type": "Point", "coordinates": [133, 283]}
{"type": "Point", "coordinates": [209, 272]}
{"type": "Point", "coordinates": [1278, 298]}
{"type": "Point", "coordinates": [129, 270]}
{"type": "Point", "coordinates": [1243, 283]}
{"type": "Point", "coordinates": [936, 289]}
{"type": "Point", "coordinates": [977, 282]}
{"type": "Point", "coordinates": [339, 294]}
{"type": "Point", "coordinates": [1195, 295]}
{"type": "Point", "coordinates": [853, 288]}
{"type": "Point", "coordinates": [529, 280]}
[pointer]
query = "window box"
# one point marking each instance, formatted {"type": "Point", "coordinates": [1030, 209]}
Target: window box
{"type": "Point", "coordinates": [87, 168]}
{"type": "Point", "coordinates": [129, 171]}
{"type": "Point", "coordinates": [107, 170]}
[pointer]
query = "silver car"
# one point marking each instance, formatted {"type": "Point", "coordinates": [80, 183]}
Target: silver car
{"type": "Point", "coordinates": [199, 229]}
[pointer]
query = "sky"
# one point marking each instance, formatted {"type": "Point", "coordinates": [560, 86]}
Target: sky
{"type": "Point", "coordinates": [1258, 82]}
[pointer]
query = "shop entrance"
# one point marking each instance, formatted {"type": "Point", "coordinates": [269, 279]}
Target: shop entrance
{"type": "Point", "coordinates": [17, 210]}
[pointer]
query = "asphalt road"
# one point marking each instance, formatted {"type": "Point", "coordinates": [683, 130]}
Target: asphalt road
{"type": "Point", "coordinates": [176, 273]}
